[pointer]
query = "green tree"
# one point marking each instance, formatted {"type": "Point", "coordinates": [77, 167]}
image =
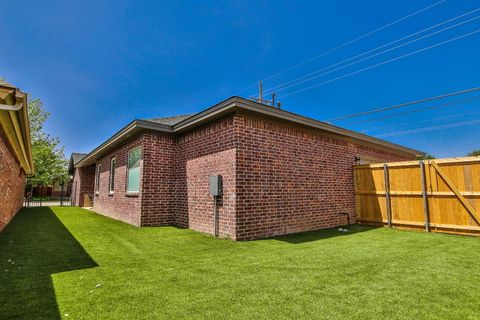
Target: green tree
{"type": "Point", "coordinates": [48, 156]}
{"type": "Point", "coordinates": [474, 153]}
{"type": "Point", "coordinates": [428, 156]}
{"type": "Point", "coordinates": [37, 116]}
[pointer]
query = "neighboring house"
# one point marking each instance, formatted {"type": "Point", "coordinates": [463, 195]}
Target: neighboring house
{"type": "Point", "coordinates": [282, 172]}
{"type": "Point", "coordinates": [74, 183]}
{"type": "Point", "coordinates": [15, 150]}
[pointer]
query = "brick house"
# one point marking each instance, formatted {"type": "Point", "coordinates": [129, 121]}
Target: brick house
{"type": "Point", "coordinates": [15, 150]}
{"type": "Point", "coordinates": [282, 172]}
{"type": "Point", "coordinates": [73, 185]}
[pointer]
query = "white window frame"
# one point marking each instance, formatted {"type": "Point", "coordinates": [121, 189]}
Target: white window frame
{"type": "Point", "coordinates": [139, 177]}
{"type": "Point", "coordinates": [97, 178]}
{"type": "Point", "coordinates": [111, 177]}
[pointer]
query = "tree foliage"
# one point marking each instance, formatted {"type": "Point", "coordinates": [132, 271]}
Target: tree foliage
{"type": "Point", "coordinates": [37, 116]}
{"type": "Point", "coordinates": [474, 153]}
{"type": "Point", "coordinates": [428, 156]}
{"type": "Point", "coordinates": [48, 156]}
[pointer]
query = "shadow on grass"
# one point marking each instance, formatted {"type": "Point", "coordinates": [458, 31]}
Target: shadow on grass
{"type": "Point", "coordinates": [32, 247]}
{"type": "Point", "coordinates": [309, 236]}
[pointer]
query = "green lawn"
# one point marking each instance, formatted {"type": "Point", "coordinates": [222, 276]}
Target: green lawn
{"type": "Point", "coordinates": [74, 264]}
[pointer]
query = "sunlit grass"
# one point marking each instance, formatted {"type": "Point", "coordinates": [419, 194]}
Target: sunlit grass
{"type": "Point", "coordinates": [75, 264]}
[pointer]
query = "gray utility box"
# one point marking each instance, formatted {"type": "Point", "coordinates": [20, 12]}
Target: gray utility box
{"type": "Point", "coordinates": [216, 185]}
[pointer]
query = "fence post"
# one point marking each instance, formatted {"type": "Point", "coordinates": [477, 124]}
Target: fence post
{"type": "Point", "coordinates": [387, 195]}
{"type": "Point", "coordinates": [425, 197]}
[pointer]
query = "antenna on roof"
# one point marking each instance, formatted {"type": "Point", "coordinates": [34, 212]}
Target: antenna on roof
{"type": "Point", "coordinates": [260, 91]}
{"type": "Point", "coordinates": [265, 101]}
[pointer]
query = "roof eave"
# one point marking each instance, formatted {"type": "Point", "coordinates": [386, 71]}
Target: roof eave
{"type": "Point", "coordinates": [126, 132]}
{"type": "Point", "coordinates": [228, 106]}
{"type": "Point", "coordinates": [235, 103]}
{"type": "Point", "coordinates": [17, 109]}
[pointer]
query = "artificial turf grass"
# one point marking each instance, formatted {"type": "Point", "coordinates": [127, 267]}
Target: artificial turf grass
{"type": "Point", "coordinates": [64, 253]}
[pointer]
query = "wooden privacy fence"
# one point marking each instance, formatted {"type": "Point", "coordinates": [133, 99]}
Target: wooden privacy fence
{"type": "Point", "coordinates": [440, 195]}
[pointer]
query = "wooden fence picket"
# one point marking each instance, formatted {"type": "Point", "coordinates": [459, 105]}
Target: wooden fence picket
{"type": "Point", "coordinates": [441, 195]}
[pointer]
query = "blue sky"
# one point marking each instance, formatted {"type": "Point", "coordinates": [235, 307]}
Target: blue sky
{"type": "Point", "coordinates": [97, 65]}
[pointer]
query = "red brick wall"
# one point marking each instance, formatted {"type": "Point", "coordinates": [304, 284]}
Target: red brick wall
{"type": "Point", "coordinates": [158, 195]}
{"type": "Point", "coordinates": [75, 185]}
{"type": "Point", "coordinates": [119, 205]}
{"type": "Point", "coordinates": [201, 204]}
{"type": "Point", "coordinates": [82, 184]}
{"type": "Point", "coordinates": [278, 178]}
{"type": "Point", "coordinates": [199, 156]}
{"type": "Point", "coordinates": [12, 183]}
{"type": "Point", "coordinates": [165, 198]}
{"type": "Point", "coordinates": [291, 179]}
{"type": "Point", "coordinates": [154, 205]}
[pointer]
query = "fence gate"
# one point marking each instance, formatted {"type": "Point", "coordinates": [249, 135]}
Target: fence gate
{"type": "Point", "coordinates": [44, 195]}
{"type": "Point", "coordinates": [441, 195]}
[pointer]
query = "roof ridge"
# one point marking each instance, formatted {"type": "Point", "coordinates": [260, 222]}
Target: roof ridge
{"type": "Point", "coordinates": [170, 121]}
{"type": "Point", "coordinates": [176, 116]}
{"type": "Point", "coordinates": [233, 104]}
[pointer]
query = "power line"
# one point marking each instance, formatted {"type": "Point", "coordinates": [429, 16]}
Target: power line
{"type": "Point", "coordinates": [422, 121]}
{"type": "Point", "coordinates": [382, 63]}
{"type": "Point", "coordinates": [380, 53]}
{"type": "Point", "coordinates": [307, 78]}
{"type": "Point", "coordinates": [396, 106]}
{"type": "Point", "coordinates": [347, 43]}
{"type": "Point", "coordinates": [432, 128]}
{"type": "Point", "coordinates": [416, 110]}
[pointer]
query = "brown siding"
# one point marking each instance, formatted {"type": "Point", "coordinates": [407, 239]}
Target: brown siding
{"type": "Point", "coordinates": [12, 183]}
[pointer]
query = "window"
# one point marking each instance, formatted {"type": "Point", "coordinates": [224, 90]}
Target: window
{"type": "Point", "coordinates": [111, 180]}
{"type": "Point", "coordinates": [133, 173]}
{"type": "Point", "coordinates": [97, 178]}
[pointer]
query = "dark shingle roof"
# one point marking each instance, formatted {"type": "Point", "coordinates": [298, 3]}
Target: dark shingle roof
{"type": "Point", "coordinates": [170, 121]}
{"type": "Point", "coordinates": [76, 157]}
{"type": "Point", "coordinates": [233, 104]}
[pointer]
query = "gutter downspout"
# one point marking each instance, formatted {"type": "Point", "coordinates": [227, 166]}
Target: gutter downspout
{"type": "Point", "coordinates": [11, 111]}
{"type": "Point", "coordinates": [7, 107]}
{"type": "Point", "coordinates": [18, 132]}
